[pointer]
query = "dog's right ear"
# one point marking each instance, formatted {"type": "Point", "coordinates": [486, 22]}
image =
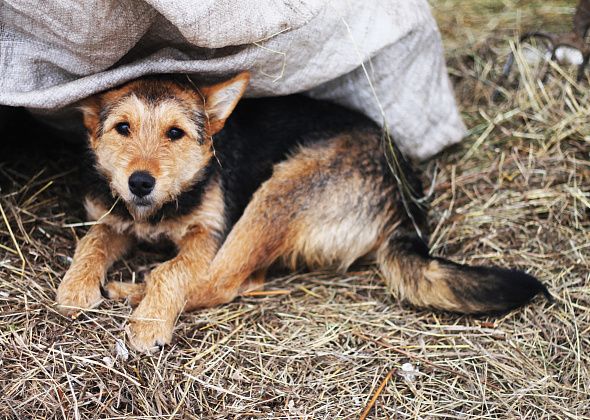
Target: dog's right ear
{"type": "Point", "coordinates": [90, 108]}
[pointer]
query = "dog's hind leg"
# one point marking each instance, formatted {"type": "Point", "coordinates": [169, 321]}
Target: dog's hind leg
{"type": "Point", "coordinates": [255, 242]}
{"type": "Point", "coordinates": [317, 208]}
{"type": "Point", "coordinates": [254, 283]}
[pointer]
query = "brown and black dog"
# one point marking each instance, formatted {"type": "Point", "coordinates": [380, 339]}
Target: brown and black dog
{"type": "Point", "coordinates": [286, 179]}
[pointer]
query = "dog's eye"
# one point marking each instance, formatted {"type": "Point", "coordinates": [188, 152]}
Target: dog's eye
{"type": "Point", "coordinates": [123, 128]}
{"type": "Point", "coordinates": [175, 133]}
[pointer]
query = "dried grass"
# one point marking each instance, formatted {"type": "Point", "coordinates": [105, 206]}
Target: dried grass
{"type": "Point", "coordinates": [514, 193]}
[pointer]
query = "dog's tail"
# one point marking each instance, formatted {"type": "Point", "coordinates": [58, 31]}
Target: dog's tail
{"type": "Point", "coordinates": [414, 275]}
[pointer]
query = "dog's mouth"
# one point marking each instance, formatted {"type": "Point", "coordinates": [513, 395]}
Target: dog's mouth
{"type": "Point", "coordinates": [142, 202]}
{"type": "Point", "coordinates": [140, 207]}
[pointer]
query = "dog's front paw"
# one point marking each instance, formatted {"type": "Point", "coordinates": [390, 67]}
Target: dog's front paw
{"type": "Point", "coordinates": [149, 330]}
{"type": "Point", "coordinates": [78, 291]}
{"type": "Point", "coordinates": [118, 290]}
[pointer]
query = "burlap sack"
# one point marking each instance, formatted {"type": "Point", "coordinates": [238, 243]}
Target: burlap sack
{"type": "Point", "coordinates": [55, 52]}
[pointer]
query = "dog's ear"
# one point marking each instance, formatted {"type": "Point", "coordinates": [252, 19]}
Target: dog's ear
{"type": "Point", "coordinates": [90, 108]}
{"type": "Point", "coordinates": [221, 99]}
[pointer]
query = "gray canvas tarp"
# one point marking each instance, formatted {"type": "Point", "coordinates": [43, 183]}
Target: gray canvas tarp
{"type": "Point", "coordinates": [54, 53]}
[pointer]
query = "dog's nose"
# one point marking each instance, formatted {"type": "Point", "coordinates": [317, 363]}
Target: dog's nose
{"type": "Point", "coordinates": [141, 183]}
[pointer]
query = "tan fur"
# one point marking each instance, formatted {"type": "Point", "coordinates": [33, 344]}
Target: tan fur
{"type": "Point", "coordinates": [435, 292]}
{"type": "Point", "coordinates": [80, 288]}
{"type": "Point", "coordinates": [170, 287]}
{"type": "Point", "coordinates": [271, 227]}
{"type": "Point", "coordinates": [254, 282]}
{"type": "Point", "coordinates": [221, 99]}
{"type": "Point", "coordinates": [174, 164]}
{"type": "Point", "coordinates": [428, 288]}
{"type": "Point", "coordinates": [122, 290]}
{"type": "Point", "coordinates": [274, 224]}
{"type": "Point", "coordinates": [340, 241]}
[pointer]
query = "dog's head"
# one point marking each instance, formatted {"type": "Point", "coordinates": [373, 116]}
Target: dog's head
{"type": "Point", "coordinates": [152, 138]}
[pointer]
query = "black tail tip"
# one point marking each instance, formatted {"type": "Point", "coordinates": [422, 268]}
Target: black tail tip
{"type": "Point", "coordinates": [494, 290]}
{"type": "Point", "coordinates": [515, 287]}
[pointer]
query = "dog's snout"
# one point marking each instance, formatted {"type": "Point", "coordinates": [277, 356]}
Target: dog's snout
{"type": "Point", "coordinates": [141, 183]}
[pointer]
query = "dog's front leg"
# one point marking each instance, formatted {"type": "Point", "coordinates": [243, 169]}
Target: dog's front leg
{"type": "Point", "coordinates": [169, 289]}
{"type": "Point", "coordinates": [80, 287]}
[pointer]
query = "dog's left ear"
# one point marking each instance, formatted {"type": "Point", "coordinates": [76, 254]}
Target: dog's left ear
{"type": "Point", "coordinates": [221, 99]}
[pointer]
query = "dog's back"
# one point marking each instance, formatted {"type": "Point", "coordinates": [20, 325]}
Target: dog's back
{"type": "Point", "coordinates": [262, 132]}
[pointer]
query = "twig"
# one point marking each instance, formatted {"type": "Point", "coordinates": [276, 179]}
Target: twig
{"type": "Point", "coordinates": [376, 394]}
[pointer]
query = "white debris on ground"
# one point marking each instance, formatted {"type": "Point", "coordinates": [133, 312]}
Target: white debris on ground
{"type": "Point", "coordinates": [565, 56]}
{"type": "Point", "coordinates": [569, 56]}
{"type": "Point", "coordinates": [108, 361]}
{"type": "Point", "coordinates": [409, 372]}
{"type": "Point", "coordinates": [121, 350]}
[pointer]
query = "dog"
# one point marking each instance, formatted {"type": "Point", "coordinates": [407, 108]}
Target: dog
{"type": "Point", "coordinates": [240, 186]}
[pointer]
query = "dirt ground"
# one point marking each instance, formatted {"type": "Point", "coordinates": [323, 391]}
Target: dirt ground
{"type": "Point", "coordinates": [515, 193]}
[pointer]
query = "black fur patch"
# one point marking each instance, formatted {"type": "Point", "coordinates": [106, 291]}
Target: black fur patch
{"type": "Point", "coordinates": [98, 187]}
{"type": "Point", "coordinates": [408, 243]}
{"type": "Point", "coordinates": [188, 200]}
{"type": "Point", "coordinates": [499, 289]}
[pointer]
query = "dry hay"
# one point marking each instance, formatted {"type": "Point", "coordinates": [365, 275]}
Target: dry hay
{"type": "Point", "coordinates": [514, 193]}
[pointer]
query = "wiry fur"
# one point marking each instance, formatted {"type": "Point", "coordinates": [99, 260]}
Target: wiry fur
{"type": "Point", "coordinates": [289, 179]}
